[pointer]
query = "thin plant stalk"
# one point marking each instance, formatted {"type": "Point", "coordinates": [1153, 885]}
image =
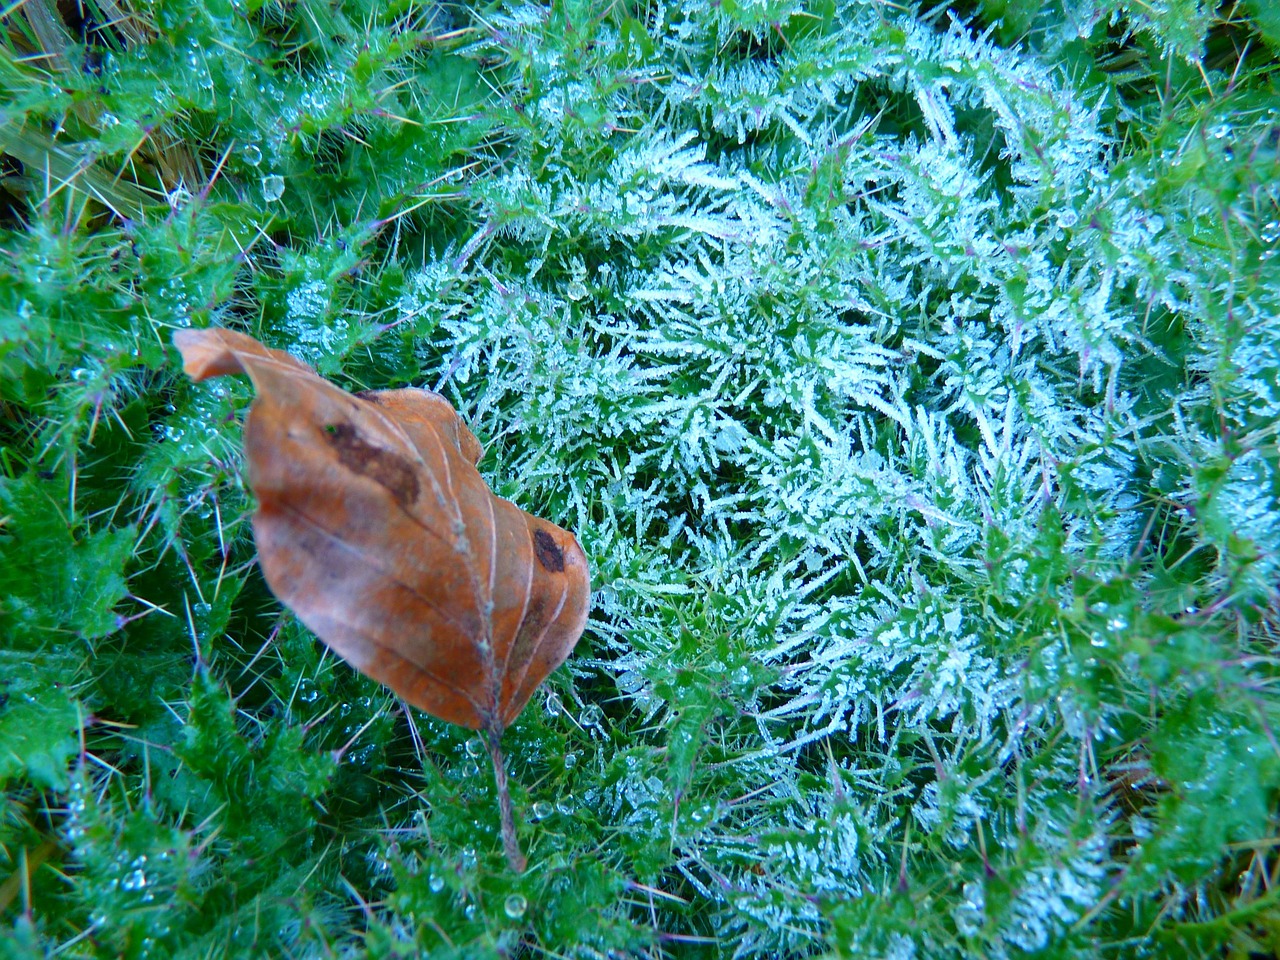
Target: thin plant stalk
{"type": "Point", "coordinates": [510, 842]}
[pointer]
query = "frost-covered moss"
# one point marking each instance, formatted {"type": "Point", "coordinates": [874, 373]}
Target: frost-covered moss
{"type": "Point", "coordinates": [910, 377]}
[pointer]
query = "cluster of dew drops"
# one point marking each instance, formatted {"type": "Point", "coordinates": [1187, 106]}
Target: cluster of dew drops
{"type": "Point", "coordinates": [272, 183]}
{"type": "Point", "coordinates": [131, 870]}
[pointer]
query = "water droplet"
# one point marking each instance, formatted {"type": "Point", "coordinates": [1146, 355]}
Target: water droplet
{"type": "Point", "coordinates": [630, 682]}
{"type": "Point", "coordinates": [474, 747]}
{"type": "Point", "coordinates": [542, 810]}
{"type": "Point", "coordinates": [251, 154]}
{"type": "Point", "coordinates": [554, 704]}
{"type": "Point", "coordinates": [1271, 232]}
{"type": "Point", "coordinates": [134, 880]}
{"type": "Point", "coordinates": [570, 761]}
{"type": "Point", "coordinates": [565, 805]}
{"type": "Point", "coordinates": [470, 771]}
{"type": "Point", "coordinates": [515, 906]}
{"type": "Point", "coordinates": [576, 290]}
{"type": "Point", "coordinates": [591, 715]}
{"type": "Point", "coordinates": [272, 187]}
{"type": "Point", "coordinates": [436, 883]}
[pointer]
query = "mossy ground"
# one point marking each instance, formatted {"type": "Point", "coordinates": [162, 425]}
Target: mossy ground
{"type": "Point", "coordinates": [909, 373]}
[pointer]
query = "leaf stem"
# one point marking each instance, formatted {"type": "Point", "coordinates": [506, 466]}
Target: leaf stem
{"type": "Point", "coordinates": [510, 843]}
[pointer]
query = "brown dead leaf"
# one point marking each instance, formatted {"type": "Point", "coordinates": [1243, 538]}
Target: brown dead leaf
{"type": "Point", "coordinates": [375, 528]}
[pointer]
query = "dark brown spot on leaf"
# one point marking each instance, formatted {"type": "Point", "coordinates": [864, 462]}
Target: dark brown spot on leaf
{"type": "Point", "coordinates": [532, 627]}
{"type": "Point", "coordinates": [370, 396]}
{"type": "Point", "coordinates": [383, 467]}
{"type": "Point", "coordinates": [548, 551]}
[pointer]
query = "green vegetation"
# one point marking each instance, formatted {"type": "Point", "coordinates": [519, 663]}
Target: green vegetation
{"type": "Point", "coordinates": [909, 374]}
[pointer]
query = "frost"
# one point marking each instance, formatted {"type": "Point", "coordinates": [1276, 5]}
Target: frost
{"type": "Point", "coordinates": [836, 378]}
{"type": "Point", "coordinates": [316, 334]}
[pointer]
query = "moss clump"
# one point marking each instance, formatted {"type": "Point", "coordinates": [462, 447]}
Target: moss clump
{"type": "Point", "coordinates": [909, 376]}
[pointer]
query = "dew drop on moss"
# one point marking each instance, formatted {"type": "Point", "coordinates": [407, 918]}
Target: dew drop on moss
{"type": "Point", "coordinates": [515, 906]}
{"type": "Point", "coordinates": [272, 187]}
{"type": "Point", "coordinates": [630, 682]}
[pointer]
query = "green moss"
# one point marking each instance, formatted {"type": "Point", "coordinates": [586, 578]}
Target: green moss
{"type": "Point", "coordinates": [911, 390]}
